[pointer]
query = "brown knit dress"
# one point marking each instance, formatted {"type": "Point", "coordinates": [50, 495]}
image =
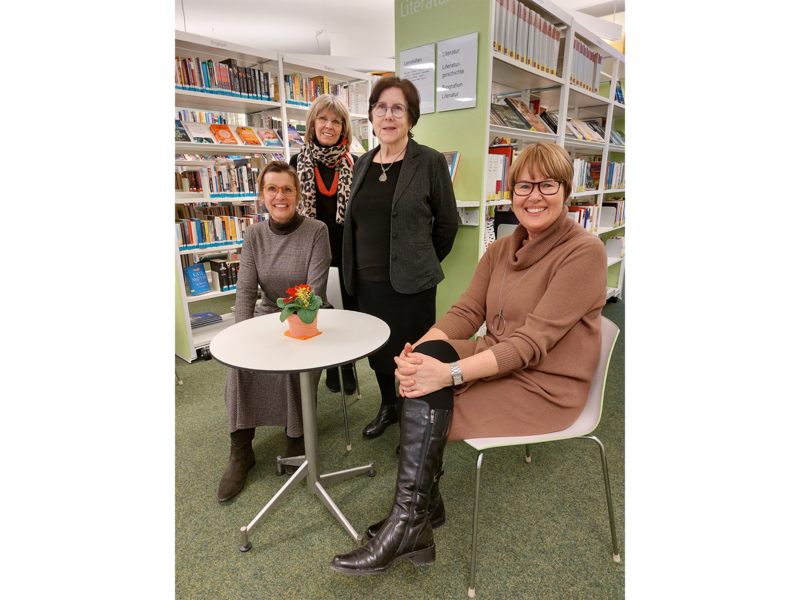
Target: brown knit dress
{"type": "Point", "coordinates": [553, 289]}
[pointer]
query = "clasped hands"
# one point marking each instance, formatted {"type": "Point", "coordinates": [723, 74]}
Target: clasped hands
{"type": "Point", "coordinates": [420, 374]}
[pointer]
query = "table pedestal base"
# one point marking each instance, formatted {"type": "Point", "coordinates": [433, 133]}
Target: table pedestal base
{"type": "Point", "coordinates": [309, 469]}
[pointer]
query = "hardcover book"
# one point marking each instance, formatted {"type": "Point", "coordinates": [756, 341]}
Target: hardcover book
{"type": "Point", "coordinates": [295, 139]}
{"type": "Point", "coordinates": [509, 117]}
{"type": "Point", "coordinates": [248, 136]}
{"type": "Point", "coordinates": [452, 158]}
{"type": "Point", "coordinates": [180, 133]}
{"type": "Point", "coordinates": [222, 134]}
{"type": "Point", "coordinates": [526, 115]}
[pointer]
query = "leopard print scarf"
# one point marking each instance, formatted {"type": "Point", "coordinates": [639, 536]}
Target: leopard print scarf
{"type": "Point", "coordinates": [332, 156]}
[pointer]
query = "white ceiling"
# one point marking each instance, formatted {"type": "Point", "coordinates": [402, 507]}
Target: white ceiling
{"type": "Point", "coordinates": [349, 28]}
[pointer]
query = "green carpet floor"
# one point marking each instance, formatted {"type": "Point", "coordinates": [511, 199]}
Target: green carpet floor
{"type": "Point", "coordinates": [543, 533]}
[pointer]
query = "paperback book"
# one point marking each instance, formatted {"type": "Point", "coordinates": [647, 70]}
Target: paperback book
{"type": "Point", "coordinates": [452, 158]}
{"type": "Point", "coordinates": [197, 280]}
{"type": "Point", "coordinates": [248, 136]}
{"type": "Point", "coordinates": [200, 132]}
{"type": "Point", "coordinates": [268, 138]}
{"type": "Point", "coordinates": [222, 134]}
{"type": "Point", "coordinates": [180, 133]}
{"type": "Point", "coordinates": [508, 117]}
{"type": "Point", "coordinates": [204, 318]}
{"type": "Point", "coordinates": [527, 116]}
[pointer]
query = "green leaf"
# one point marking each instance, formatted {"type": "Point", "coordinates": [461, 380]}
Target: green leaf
{"type": "Point", "coordinates": [279, 302]}
{"type": "Point", "coordinates": [306, 315]}
{"type": "Point", "coordinates": [316, 303]}
{"type": "Point", "coordinates": [285, 313]}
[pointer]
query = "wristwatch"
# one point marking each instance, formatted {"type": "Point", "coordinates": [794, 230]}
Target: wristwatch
{"type": "Point", "coordinates": [455, 373]}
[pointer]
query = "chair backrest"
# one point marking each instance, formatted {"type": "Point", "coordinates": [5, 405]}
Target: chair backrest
{"type": "Point", "coordinates": [590, 417]}
{"type": "Point", "coordinates": [334, 291]}
{"type": "Point", "coordinates": [505, 229]}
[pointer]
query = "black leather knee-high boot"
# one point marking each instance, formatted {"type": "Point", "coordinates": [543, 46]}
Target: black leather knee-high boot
{"type": "Point", "coordinates": [407, 532]}
{"type": "Point", "coordinates": [436, 511]}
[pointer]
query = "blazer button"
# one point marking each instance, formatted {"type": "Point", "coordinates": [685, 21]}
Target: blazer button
{"type": "Point", "coordinates": [394, 214]}
{"type": "Point", "coordinates": [394, 236]}
{"type": "Point", "coordinates": [394, 258]}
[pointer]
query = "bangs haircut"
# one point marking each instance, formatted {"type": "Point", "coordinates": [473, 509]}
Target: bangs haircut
{"type": "Point", "coordinates": [334, 104]}
{"type": "Point", "coordinates": [549, 159]}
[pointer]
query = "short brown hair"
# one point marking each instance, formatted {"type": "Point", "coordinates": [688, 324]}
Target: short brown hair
{"type": "Point", "coordinates": [321, 104]}
{"type": "Point", "coordinates": [277, 166]}
{"type": "Point", "coordinates": [409, 92]}
{"type": "Point", "coordinates": [551, 160]}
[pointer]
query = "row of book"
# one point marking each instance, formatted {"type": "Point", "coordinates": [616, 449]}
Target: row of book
{"type": "Point", "coordinates": [197, 234]}
{"type": "Point", "coordinates": [586, 176]}
{"type": "Point", "coordinates": [232, 179]}
{"type": "Point", "coordinates": [219, 133]}
{"type": "Point", "coordinates": [524, 35]}
{"type": "Point", "coordinates": [216, 157]}
{"type": "Point", "coordinates": [613, 212]}
{"type": "Point", "coordinates": [209, 210]}
{"type": "Point", "coordinates": [615, 176]}
{"type": "Point", "coordinates": [226, 78]}
{"type": "Point", "coordinates": [221, 277]}
{"type": "Point", "coordinates": [515, 114]}
{"type": "Point", "coordinates": [302, 91]}
{"type": "Point", "coordinates": [202, 116]}
{"type": "Point", "coordinates": [586, 67]}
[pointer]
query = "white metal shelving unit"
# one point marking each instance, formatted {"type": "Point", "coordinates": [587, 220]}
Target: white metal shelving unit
{"type": "Point", "coordinates": [278, 64]}
{"type": "Point", "coordinates": [509, 76]}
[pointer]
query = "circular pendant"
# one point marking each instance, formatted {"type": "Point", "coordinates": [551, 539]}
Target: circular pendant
{"type": "Point", "coordinates": [382, 177]}
{"type": "Point", "coordinates": [499, 324]}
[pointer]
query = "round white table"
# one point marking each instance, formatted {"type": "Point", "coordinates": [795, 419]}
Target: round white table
{"type": "Point", "coordinates": [259, 344]}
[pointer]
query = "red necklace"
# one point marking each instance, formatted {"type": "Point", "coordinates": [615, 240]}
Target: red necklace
{"type": "Point", "coordinates": [321, 184]}
{"type": "Point", "coordinates": [335, 184]}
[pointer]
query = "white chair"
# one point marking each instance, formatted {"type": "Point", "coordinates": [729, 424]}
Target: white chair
{"type": "Point", "coordinates": [586, 423]}
{"type": "Point", "coordinates": [505, 229]}
{"type": "Point", "coordinates": [334, 295]}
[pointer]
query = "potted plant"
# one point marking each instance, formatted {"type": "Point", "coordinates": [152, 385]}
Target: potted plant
{"type": "Point", "coordinates": [301, 308]}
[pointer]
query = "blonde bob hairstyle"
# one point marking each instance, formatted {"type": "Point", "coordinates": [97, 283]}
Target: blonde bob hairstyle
{"type": "Point", "coordinates": [550, 160]}
{"type": "Point", "coordinates": [321, 104]}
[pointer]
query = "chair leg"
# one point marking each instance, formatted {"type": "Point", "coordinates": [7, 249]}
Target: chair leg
{"type": "Point", "coordinates": [471, 591]}
{"type": "Point", "coordinates": [528, 452]}
{"type": "Point", "coordinates": [344, 411]}
{"type": "Point", "coordinates": [358, 387]}
{"type": "Point", "coordinates": [178, 379]}
{"type": "Point", "coordinates": [608, 496]}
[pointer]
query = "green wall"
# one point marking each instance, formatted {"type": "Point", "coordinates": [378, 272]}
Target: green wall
{"type": "Point", "coordinates": [463, 130]}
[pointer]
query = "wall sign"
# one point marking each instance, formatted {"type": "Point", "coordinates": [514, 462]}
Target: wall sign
{"type": "Point", "coordinates": [418, 65]}
{"type": "Point", "coordinates": [457, 72]}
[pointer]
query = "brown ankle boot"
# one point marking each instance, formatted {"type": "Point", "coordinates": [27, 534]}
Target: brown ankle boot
{"type": "Point", "coordinates": [294, 447]}
{"type": "Point", "coordinates": [240, 462]}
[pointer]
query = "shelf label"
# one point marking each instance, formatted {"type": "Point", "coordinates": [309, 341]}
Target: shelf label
{"type": "Point", "coordinates": [418, 65]}
{"type": "Point", "coordinates": [457, 72]}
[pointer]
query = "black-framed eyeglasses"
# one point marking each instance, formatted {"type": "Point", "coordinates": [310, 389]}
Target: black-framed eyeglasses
{"type": "Point", "coordinates": [546, 188]}
{"type": "Point", "coordinates": [380, 108]}
{"type": "Point", "coordinates": [325, 120]}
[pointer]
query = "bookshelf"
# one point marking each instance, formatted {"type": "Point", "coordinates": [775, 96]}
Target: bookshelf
{"type": "Point", "coordinates": [470, 131]}
{"type": "Point", "coordinates": [285, 107]}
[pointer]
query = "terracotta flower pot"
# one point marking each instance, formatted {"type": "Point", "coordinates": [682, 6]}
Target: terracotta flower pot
{"type": "Point", "coordinates": [298, 329]}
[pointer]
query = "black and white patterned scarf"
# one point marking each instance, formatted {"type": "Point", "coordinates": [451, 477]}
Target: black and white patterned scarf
{"type": "Point", "coordinates": [331, 156]}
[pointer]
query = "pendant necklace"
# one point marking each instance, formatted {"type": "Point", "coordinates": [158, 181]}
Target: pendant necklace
{"type": "Point", "coordinates": [499, 322]}
{"type": "Point", "coordinates": [383, 174]}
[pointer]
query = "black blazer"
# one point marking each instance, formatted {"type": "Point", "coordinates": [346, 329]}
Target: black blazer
{"type": "Point", "coordinates": [424, 221]}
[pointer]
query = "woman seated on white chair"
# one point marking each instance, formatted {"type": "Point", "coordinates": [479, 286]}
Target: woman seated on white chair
{"type": "Point", "coordinates": [540, 292]}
